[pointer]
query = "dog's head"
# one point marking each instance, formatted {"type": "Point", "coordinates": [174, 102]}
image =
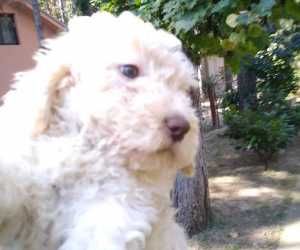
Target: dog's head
{"type": "Point", "coordinates": [122, 82]}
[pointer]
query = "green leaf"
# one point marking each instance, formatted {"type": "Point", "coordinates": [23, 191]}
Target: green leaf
{"type": "Point", "coordinates": [234, 61]}
{"type": "Point", "coordinates": [227, 44]}
{"type": "Point", "coordinates": [255, 30]}
{"type": "Point", "coordinates": [293, 9]}
{"type": "Point", "coordinates": [208, 45]}
{"type": "Point", "coordinates": [243, 18]}
{"type": "Point", "coordinates": [231, 20]}
{"type": "Point", "coordinates": [188, 21]}
{"type": "Point", "coordinates": [190, 4]}
{"type": "Point", "coordinates": [264, 8]}
{"type": "Point", "coordinates": [138, 2]}
{"type": "Point", "coordinates": [237, 38]}
{"type": "Point", "coordinates": [286, 24]}
{"type": "Point", "coordinates": [220, 6]}
{"type": "Point", "coordinates": [170, 6]}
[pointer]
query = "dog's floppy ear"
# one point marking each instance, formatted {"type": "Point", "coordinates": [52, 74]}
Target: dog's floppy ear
{"type": "Point", "coordinates": [57, 80]}
{"type": "Point", "coordinates": [29, 106]}
{"type": "Point", "coordinates": [188, 171]}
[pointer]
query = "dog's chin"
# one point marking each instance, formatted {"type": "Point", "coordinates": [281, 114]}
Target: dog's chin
{"type": "Point", "coordinates": [182, 156]}
{"type": "Point", "coordinates": [183, 159]}
{"type": "Point", "coordinates": [168, 157]}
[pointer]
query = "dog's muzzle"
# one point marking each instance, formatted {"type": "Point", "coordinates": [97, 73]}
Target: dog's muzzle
{"type": "Point", "coordinates": [177, 127]}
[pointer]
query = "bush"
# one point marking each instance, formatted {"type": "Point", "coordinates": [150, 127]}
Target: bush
{"type": "Point", "coordinates": [264, 133]}
{"type": "Point", "coordinates": [295, 116]}
{"type": "Point", "coordinates": [230, 99]}
{"type": "Point", "coordinates": [272, 123]}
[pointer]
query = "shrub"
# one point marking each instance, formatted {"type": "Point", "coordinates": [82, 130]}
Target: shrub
{"type": "Point", "coordinates": [272, 123]}
{"type": "Point", "coordinates": [264, 133]}
{"type": "Point", "coordinates": [230, 99]}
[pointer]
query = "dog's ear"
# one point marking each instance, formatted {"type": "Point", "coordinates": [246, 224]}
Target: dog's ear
{"type": "Point", "coordinates": [34, 97]}
{"type": "Point", "coordinates": [188, 171]}
{"type": "Point", "coordinates": [57, 80]}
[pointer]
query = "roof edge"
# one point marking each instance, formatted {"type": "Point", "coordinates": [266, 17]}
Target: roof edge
{"type": "Point", "coordinates": [53, 21]}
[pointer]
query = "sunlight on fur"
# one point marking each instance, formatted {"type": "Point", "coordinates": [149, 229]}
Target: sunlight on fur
{"type": "Point", "coordinates": [92, 139]}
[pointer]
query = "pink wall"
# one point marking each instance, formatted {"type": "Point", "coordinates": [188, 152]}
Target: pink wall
{"type": "Point", "coordinates": [15, 58]}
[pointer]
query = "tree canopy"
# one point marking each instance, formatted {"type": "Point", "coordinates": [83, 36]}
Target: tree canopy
{"type": "Point", "coordinates": [229, 28]}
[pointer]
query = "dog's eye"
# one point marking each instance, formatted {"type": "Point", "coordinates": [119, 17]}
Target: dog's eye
{"type": "Point", "coordinates": [129, 70]}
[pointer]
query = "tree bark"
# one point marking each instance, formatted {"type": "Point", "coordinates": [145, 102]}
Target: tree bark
{"type": "Point", "coordinates": [74, 7]}
{"type": "Point", "coordinates": [190, 195]}
{"type": "Point", "coordinates": [228, 78]}
{"type": "Point", "coordinates": [246, 81]}
{"type": "Point", "coordinates": [205, 69]}
{"type": "Point", "coordinates": [213, 106]}
{"type": "Point", "coordinates": [211, 93]}
{"type": "Point", "coordinates": [37, 20]}
{"type": "Point", "coordinates": [47, 8]}
{"type": "Point", "coordinates": [62, 11]}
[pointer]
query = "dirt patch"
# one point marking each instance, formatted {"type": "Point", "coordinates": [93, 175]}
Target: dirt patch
{"type": "Point", "coordinates": [248, 203]}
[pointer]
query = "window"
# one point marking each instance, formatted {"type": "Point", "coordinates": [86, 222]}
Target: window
{"type": "Point", "coordinates": [8, 31]}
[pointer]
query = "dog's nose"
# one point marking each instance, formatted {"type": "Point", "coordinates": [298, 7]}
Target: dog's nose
{"type": "Point", "coordinates": [177, 126]}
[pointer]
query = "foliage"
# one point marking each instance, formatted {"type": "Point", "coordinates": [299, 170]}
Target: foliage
{"type": "Point", "coordinates": [274, 121]}
{"type": "Point", "coordinates": [265, 133]}
{"type": "Point", "coordinates": [229, 28]}
{"type": "Point", "coordinates": [115, 6]}
{"type": "Point", "coordinates": [273, 67]}
{"type": "Point", "coordinates": [59, 8]}
{"type": "Point", "coordinates": [230, 99]}
{"type": "Point", "coordinates": [84, 7]}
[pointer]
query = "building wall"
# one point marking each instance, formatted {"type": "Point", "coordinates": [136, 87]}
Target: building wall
{"type": "Point", "coordinates": [16, 58]}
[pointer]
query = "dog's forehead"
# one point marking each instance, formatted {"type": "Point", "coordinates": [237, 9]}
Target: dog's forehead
{"type": "Point", "coordinates": [103, 26]}
{"type": "Point", "coordinates": [128, 39]}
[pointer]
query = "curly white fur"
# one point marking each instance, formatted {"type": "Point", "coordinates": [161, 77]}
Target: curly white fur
{"type": "Point", "coordinates": [85, 160]}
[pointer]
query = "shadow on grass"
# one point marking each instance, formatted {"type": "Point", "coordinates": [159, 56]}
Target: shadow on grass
{"type": "Point", "coordinates": [244, 229]}
{"type": "Point", "coordinates": [242, 221]}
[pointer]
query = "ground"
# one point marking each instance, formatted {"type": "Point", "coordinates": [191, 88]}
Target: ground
{"type": "Point", "coordinates": [249, 204]}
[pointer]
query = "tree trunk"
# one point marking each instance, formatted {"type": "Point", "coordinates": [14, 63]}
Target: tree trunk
{"type": "Point", "coordinates": [209, 84]}
{"type": "Point", "coordinates": [74, 7]}
{"type": "Point", "coordinates": [205, 69]}
{"type": "Point", "coordinates": [213, 106]}
{"type": "Point", "coordinates": [190, 195]}
{"type": "Point", "coordinates": [246, 81]}
{"type": "Point", "coordinates": [228, 78]}
{"type": "Point", "coordinates": [62, 11]}
{"type": "Point", "coordinates": [37, 20]}
{"type": "Point", "coordinates": [47, 8]}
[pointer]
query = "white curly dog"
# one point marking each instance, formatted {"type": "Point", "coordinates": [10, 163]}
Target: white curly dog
{"type": "Point", "coordinates": [91, 140]}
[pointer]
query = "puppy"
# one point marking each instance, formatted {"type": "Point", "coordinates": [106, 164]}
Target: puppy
{"type": "Point", "coordinates": [92, 138]}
